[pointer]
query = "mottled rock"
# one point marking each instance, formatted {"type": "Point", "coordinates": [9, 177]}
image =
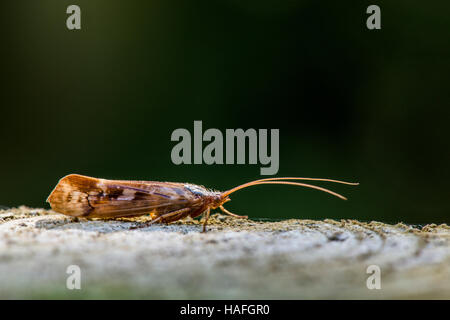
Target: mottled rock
{"type": "Point", "coordinates": [293, 259]}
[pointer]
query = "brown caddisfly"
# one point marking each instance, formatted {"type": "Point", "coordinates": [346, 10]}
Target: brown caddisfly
{"type": "Point", "coordinates": [82, 196]}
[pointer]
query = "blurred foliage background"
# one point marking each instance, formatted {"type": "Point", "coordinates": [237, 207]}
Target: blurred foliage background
{"type": "Point", "coordinates": [352, 104]}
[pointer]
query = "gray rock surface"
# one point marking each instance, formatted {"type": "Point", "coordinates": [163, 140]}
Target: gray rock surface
{"type": "Point", "coordinates": [292, 259]}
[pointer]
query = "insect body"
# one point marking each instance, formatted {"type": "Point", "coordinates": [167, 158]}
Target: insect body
{"type": "Point", "coordinates": [82, 196]}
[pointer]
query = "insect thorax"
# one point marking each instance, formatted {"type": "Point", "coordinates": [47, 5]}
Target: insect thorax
{"type": "Point", "coordinates": [201, 191]}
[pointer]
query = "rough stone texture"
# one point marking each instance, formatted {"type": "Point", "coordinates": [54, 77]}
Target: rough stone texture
{"type": "Point", "coordinates": [293, 259]}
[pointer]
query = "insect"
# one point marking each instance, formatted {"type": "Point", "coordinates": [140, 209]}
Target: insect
{"type": "Point", "coordinates": [87, 197]}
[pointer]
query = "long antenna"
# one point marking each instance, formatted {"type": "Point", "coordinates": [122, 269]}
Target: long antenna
{"type": "Point", "coordinates": [276, 181]}
{"type": "Point", "coordinates": [310, 179]}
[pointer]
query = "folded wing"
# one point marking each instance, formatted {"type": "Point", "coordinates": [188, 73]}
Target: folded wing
{"type": "Point", "coordinates": [83, 196]}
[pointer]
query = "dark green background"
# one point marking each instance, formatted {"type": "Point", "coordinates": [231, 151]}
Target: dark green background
{"type": "Point", "coordinates": [354, 104]}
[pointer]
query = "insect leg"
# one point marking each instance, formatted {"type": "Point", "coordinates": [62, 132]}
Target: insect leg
{"type": "Point", "coordinates": [206, 219]}
{"type": "Point", "coordinates": [164, 216]}
{"type": "Point", "coordinates": [232, 214]}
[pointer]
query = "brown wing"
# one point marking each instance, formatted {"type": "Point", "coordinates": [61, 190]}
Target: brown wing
{"type": "Point", "coordinates": [83, 196]}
